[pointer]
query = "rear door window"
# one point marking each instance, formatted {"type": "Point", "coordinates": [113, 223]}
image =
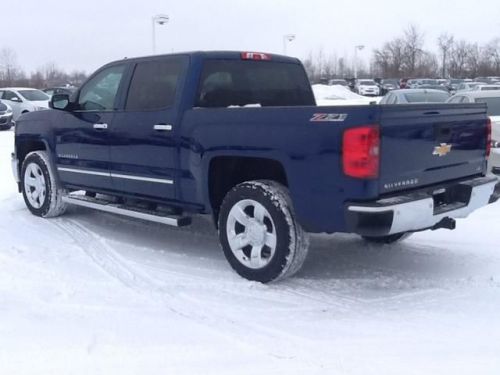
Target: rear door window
{"type": "Point", "coordinates": [226, 83]}
{"type": "Point", "coordinates": [154, 84]}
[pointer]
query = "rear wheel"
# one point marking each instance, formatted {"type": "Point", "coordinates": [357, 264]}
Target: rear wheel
{"type": "Point", "coordinates": [393, 238]}
{"type": "Point", "coordinates": [41, 192]}
{"type": "Point", "coordinates": [258, 232]}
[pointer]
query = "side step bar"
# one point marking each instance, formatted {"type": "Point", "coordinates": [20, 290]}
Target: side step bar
{"type": "Point", "coordinates": [120, 209]}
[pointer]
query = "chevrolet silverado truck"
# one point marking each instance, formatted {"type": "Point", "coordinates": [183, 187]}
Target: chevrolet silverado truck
{"type": "Point", "coordinates": [238, 136]}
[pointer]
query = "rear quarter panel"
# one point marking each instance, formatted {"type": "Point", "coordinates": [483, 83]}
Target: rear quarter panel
{"type": "Point", "coordinates": [309, 151]}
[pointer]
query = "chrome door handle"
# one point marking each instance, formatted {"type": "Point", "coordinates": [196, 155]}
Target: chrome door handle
{"type": "Point", "coordinates": [101, 126]}
{"type": "Point", "coordinates": [162, 128]}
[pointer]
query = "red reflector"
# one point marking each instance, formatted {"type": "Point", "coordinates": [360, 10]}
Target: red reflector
{"type": "Point", "coordinates": [361, 152]}
{"type": "Point", "coordinates": [255, 56]}
{"type": "Point", "coordinates": [488, 137]}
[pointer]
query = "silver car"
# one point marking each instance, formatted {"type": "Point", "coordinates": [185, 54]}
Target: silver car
{"type": "Point", "coordinates": [23, 100]}
{"type": "Point", "coordinates": [5, 116]}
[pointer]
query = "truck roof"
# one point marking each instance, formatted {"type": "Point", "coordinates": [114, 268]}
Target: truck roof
{"type": "Point", "coordinates": [223, 55]}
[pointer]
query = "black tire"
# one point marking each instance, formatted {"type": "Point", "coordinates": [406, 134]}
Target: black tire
{"type": "Point", "coordinates": [52, 205]}
{"type": "Point", "coordinates": [291, 246]}
{"type": "Point", "coordinates": [387, 240]}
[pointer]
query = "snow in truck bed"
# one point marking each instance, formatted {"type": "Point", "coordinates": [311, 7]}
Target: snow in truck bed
{"type": "Point", "coordinates": [92, 293]}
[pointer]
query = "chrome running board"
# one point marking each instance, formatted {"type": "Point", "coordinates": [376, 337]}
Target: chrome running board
{"type": "Point", "coordinates": [121, 209]}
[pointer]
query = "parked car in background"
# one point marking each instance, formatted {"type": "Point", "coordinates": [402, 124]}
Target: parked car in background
{"type": "Point", "coordinates": [488, 80]}
{"type": "Point", "coordinates": [339, 82]}
{"type": "Point", "coordinates": [60, 90]}
{"type": "Point", "coordinates": [367, 87]}
{"type": "Point", "coordinates": [467, 86]}
{"type": "Point", "coordinates": [5, 116]}
{"type": "Point", "coordinates": [414, 96]}
{"type": "Point", "coordinates": [24, 100]}
{"type": "Point", "coordinates": [492, 100]}
{"type": "Point", "coordinates": [434, 87]}
{"type": "Point", "coordinates": [453, 84]}
{"type": "Point", "coordinates": [387, 85]}
{"type": "Point", "coordinates": [486, 88]}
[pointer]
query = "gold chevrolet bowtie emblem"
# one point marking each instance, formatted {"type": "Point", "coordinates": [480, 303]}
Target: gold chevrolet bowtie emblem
{"type": "Point", "coordinates": [442, 150]}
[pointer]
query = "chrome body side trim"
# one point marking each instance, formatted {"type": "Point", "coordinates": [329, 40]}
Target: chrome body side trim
{"type": "Point", "coordinates": [81, 171]}
{"type": "Point", "coordinates": [116, 175]}
{"type": "Point", "coordinates": [139, 178]}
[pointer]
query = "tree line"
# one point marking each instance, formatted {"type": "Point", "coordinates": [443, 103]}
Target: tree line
{"type": "Point", "coordinates": [48, 75]}
{"type": "Point", "coordinates": [406, 57]}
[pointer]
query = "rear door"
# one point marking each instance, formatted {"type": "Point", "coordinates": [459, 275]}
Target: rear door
{"type": "Point", "coordinates": [428, 144]}
{"type": "Point", "coordinates": [143, 146]}
{"type": "Point", "coordinates": [82, 138]}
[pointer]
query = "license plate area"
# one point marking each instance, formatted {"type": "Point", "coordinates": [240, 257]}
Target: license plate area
{"type": "Point", "coordinates": [451, 198]}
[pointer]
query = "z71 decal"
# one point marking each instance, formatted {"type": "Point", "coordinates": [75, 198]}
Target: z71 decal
{"type": "Point", "coordinates": [329, 117]}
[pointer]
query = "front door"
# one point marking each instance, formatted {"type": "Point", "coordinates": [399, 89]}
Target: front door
{"type": "Point", "coordinates": [142, 143]}
{"type": "Point", "coordinates": [82, 136]}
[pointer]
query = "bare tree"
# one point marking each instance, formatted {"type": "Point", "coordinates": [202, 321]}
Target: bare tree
{"type": "Point", "coordinates": [445, 44]}
{"type": "Point", "coordinates": [9, 68]}
{"type": "Point", "coordinates": [413, 48]}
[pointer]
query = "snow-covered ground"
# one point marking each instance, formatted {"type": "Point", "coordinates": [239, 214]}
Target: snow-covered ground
{"type": "Point", "coordinates": [91, 293]}
{"type": "Point", "coordinates": [340, 95]}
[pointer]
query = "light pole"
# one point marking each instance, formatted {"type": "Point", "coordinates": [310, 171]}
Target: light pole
{"type": "Point", "coordinates": [288, 38]}
{"type": "Point", "coordinates": [159, 19]}
{"type": "Point", "coordinates": [356, 49]}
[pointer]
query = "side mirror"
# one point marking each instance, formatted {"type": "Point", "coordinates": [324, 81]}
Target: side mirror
{"type": "Point", "coordinates": [59, 101]}
{"type": "Point", "coordinates": [16, 99]}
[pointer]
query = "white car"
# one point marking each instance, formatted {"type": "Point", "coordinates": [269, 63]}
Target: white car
{"type": "Point", "coordinates": [367, 87]}
{"type": "Point", "coordinates": [23, 100]}
{"type": "Point", "coordinates": [486, 88]}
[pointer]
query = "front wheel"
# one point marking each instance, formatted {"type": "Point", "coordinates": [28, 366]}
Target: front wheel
{"type": "Point", "coordinates": [41, 192]}
{"type": "Point", "coordinates": [259, 234]}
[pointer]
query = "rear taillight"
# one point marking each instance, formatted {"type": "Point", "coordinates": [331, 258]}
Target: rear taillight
{"type": "Point", "coordinates": [361, 152]}
{"type": "Point", "coordinates": [488, 137]}
{"type": "Point", "coordinates": [255, 56]}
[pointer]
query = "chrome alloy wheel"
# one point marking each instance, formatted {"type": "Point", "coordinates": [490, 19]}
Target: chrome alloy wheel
{"type": "Point", "coordinates": [251, 234]}
{"type": "Point", "coordinates": [34, 185]}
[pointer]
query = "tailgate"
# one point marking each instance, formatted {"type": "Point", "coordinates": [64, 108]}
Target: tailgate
{"type": "Point", "coordinates": [427, 144]}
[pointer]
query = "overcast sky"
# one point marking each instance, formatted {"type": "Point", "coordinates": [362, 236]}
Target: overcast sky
{"type": "Point", "coordinates": [78, 34]}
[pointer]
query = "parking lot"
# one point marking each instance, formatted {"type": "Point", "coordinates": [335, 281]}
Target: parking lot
{"type": "Point", "coordinates": [92, 293]}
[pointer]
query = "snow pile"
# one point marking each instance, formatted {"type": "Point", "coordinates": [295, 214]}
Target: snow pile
{"type": "Point", "coordinates": [339, 95]}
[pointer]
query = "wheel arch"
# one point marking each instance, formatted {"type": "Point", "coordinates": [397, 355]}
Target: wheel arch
{"type": "Point", "coordinates": [227, 171]}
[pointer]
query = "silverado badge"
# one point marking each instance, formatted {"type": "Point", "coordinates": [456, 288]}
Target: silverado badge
{"type": "Point", "coordinates": [442, 150]}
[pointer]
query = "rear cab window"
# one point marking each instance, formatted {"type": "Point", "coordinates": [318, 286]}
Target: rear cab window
{"type": "Point", "coordinates": [239, 83]}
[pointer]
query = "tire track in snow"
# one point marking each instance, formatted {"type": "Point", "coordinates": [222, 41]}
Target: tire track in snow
{"type": "Point", "coordinates": [115, 266]}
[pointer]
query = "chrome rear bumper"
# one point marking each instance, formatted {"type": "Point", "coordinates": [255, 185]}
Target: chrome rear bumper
{"type": "Point", "coordinates": [431, 208]}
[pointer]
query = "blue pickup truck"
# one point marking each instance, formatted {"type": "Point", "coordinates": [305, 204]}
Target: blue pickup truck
{"type": "Point", "coordinates": [239, 136]}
